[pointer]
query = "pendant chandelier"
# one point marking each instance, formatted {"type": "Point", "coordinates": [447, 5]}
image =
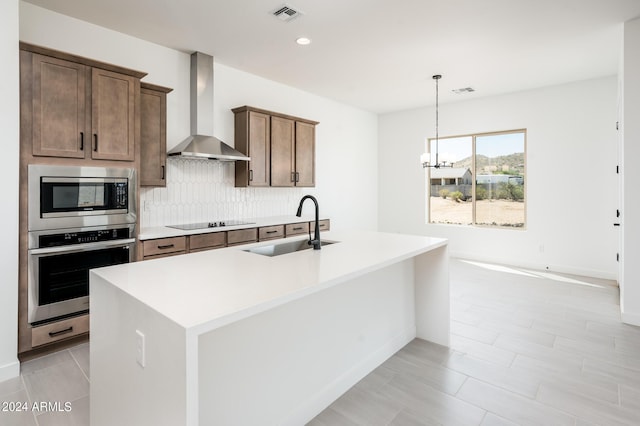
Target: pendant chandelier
{"type": "Point", "coordinates": [426, 158]}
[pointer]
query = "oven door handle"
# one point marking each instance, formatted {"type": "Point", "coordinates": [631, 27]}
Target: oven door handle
{"type": "Point", "coordinates": [82, 247]}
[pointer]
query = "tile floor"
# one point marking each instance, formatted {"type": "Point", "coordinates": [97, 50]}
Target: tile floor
{"type": "Point", "coordinates": [527, 347]}
{"type": "Point", "coordinates": [61, 377]}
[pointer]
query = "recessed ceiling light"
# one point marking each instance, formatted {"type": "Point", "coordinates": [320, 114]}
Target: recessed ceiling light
{"type": "Point", "coordinates": [303, 41]}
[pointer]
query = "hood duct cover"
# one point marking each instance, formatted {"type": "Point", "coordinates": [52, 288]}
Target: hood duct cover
{"type": "Point", "coordinates": [200, 144]}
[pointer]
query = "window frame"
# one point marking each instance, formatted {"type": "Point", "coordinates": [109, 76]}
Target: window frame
{"type": "Point", "coordinates": [473, 137]}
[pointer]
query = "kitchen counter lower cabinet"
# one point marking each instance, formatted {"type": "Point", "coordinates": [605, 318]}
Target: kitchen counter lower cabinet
{"type": "Point", "coordinates": [270, 232]}
{"type": "Point", "coordinates": [172, 246]}
{"type": "Point", "coordinates": [209, 241]}
{"type": "Point", "coordinates": [242, 236]}
{"type": "Point", "coordinates": [59, 330]}
{"type": "Point", "coordinates": [282, 335]}
{"type": "Point", "coordinates": [163, 247]}
{"type": "Point", "coordinates": [323, 225]}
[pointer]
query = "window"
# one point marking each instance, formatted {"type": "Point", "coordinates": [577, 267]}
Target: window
{"type": "Point", "coordinates": [485, 186]}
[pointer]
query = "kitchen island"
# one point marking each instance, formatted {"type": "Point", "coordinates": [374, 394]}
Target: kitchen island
{"type": "Point", "coordinates": [234, 337]}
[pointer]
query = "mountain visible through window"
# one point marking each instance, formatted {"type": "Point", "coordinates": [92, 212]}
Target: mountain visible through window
{"type": "Point", "coordinates": [485, 186]}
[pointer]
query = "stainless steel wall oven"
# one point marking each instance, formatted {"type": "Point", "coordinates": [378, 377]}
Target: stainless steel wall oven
{"type": "Point", "coordinates": [79, 218]}
{"type": "Point", "coordinates": [59, 265]}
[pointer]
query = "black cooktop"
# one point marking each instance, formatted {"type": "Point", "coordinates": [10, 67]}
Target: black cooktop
{"type": "Point", "coordinates": [204, 225]}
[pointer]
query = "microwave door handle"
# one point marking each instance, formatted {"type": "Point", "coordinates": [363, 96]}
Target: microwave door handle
{"type": "Point", "coordinates": [82, 247]}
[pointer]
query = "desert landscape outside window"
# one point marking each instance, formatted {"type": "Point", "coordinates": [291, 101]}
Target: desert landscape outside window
{"type": "Point", "coordinates": [486, 185]}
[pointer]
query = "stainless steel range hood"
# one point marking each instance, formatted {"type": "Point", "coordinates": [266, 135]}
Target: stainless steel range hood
{"type": "Point", "coordinates": [201, 144]}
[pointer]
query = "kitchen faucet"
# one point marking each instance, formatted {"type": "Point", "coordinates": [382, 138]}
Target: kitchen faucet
{"type": "Point", "coordinates": [316, 233]}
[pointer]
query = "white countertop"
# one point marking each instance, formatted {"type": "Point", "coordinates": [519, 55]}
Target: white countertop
{"type": "Point", "coordinates": [206, 290]}
{"type": "Point", "coordinates": [150, 233]}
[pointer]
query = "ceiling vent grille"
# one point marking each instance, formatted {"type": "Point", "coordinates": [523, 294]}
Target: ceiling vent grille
{"type": "Point", "coordinates": [286, 13]}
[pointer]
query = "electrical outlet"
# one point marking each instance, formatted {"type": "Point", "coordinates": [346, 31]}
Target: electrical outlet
{"type": "Point", "coordinates": [140, 348]}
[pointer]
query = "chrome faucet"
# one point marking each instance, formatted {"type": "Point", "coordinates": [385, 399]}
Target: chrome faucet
{"type": "Point", "coordinates": [315, 242]}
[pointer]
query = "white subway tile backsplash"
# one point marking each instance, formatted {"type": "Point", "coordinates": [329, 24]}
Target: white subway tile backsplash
{"type": "Point", "coordinates": [200, 190]}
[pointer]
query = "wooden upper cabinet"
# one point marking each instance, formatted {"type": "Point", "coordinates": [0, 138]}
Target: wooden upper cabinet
{"type": "Point", "coordinates": [253, 138]}
{"type": "Point", "coordinates": [293, 152]}
{"type": "Point", "coordinates": [58, 105]}
{"type": "Point", "coordinates": [305, 154]}
{"type": "Point", "coordinates": [282, 152]}
{"type": "Point", "coordinates": [113, 98]}
{"type": "Point", "coordinates": [259, 130]}
{"type": "Point", "coordinates": [153, 134]}
{"type": "Point", "coordinates": [281, 147]}
{"type": "Point", "coordinates": [74, 107]}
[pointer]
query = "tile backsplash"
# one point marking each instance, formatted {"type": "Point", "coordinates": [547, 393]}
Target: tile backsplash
{"type": "Point", "coordinates": [203, 190]}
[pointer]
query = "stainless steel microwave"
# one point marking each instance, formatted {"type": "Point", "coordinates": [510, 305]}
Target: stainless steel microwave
{"type": "Point", "coordinates": [76, 197]}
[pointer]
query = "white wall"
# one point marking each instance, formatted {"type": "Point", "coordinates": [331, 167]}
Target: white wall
{"type": "Point", "coordinates": [571, 180]}
{"type": "Point", "coordinates": [630, 268]}
{"type": "Point", "coordinates": [10, 125]}
{"type": "Point", "coordinates": [346, 137]}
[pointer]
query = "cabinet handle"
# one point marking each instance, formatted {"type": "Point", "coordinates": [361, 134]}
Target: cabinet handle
{"type": "Point", "coordinates": [166, 246]}
{"type": "Point", "coordinates": [271, 232]}
{"type": "Point", "coordinates": [250, 175]}
{"type": "Point", "coordinates": [162, 172]}
{"type": "Point", "coordinates": [81, 141]}
{"type": "Point", "coordinates": [293, 176]}
{"type": "Point", "coordinates": [297, 177]}
{"type": "Point", "coordinates": [300, 228]}
{"type": "Point", "coordinates": [58, 333]}
{"type": "Point", "coordinates": [95, 143]}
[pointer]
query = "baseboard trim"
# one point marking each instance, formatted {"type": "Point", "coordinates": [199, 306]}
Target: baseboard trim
{"type": "Point", "coordinates": [306, 412]}
{"type": "Point", "coordinates": [10, 371]}
{"type": "Point", "coordinates": [631, 319]}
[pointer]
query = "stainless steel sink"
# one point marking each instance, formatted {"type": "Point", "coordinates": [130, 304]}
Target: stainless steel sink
{"type": "Point", "coordinates": [284, 248]}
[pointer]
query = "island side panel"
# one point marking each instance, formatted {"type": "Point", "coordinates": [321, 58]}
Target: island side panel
{"type": "Point", "coordinates": [285, 365]}
{"type": "Point", "coordinates": [433, 295]}
{"type": "Point", "coordinates": [123, 392]}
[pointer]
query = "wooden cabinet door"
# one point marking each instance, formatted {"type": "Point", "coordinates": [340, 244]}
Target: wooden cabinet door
{"type": "Point", "coordinates": [59, 108]}
{"type": "Point", "coordinates": [164, 246]}
{"type": "Point", "coordinates": [292, 229]}
{"type": "Point", "coordinates": [282, 152]}
{"type": "Point", "coordinates": [113, 98]}
{"type": "Point", "coordinates": [270, 232]}
{"type": "Point", "coordinates": [305, 154]}
{"type": "Point", "coordinates": [242, 236]}
{"type": "Point", "coordinates": [208, 241]}
{"type": "Point", "coordinates": [153, 137]}
{"type": "Point", "coordinates": [259, 150]}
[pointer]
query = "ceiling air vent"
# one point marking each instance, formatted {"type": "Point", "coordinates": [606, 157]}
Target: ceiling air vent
{"type": "Point", "coordinates": [286, 13]}
{"type": "Point", "coordinates": [463, 90]}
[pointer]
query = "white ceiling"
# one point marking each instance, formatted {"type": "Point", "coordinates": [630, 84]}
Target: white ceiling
{"type": "Point", "coordinates": [379, 55]}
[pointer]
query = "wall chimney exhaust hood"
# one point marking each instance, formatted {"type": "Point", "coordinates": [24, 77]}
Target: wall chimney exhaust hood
{"type": "Point", "coordinates": [201, 144]}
